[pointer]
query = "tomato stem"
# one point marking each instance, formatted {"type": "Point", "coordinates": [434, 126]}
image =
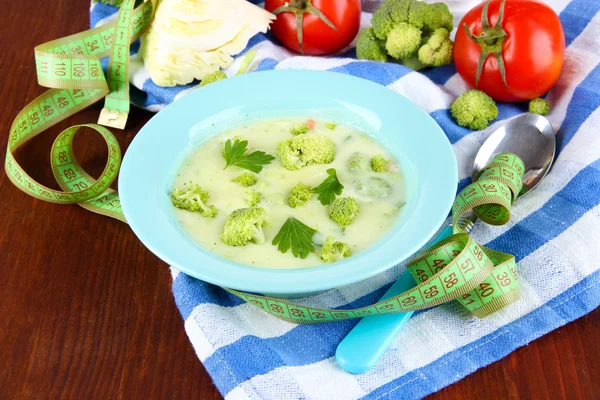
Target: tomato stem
{"type": "Point", "coordinates": [299, 8]}
{"type": "Point", "coordinates": [490, 40]}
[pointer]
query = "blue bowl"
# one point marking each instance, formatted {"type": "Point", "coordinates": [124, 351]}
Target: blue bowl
{"type": "Point", "coordinates": [425, 156]}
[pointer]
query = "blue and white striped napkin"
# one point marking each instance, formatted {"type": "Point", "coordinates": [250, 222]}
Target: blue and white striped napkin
{"type": "Point", "coordinates": [554, 234]}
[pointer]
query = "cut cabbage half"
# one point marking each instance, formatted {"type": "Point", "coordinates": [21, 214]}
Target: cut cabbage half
{"type": "Point", "coordinates": [190, 39]}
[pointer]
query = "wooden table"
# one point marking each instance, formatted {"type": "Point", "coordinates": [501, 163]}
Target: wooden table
{"type": "Point", "coordinates": [87, 312]}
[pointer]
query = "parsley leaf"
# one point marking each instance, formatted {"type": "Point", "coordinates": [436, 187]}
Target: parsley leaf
{"type": "Point", "coordinates": [235, 154]}
{"type": "Point", "coordinates": [329, 188]}
{"type": "Point", "coordinates": [296, 235]}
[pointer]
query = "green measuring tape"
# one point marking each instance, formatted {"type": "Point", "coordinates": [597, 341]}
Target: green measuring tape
{"type": "Point", "coordinates": [71, 67]}
{"type": "Point", "coordinates": [457, 268]}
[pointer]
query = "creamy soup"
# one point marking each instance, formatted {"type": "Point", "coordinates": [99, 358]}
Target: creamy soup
{"type": "Point", "coordinates": [205, 166]}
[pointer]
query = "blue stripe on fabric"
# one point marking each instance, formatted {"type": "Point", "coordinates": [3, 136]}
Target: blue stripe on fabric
{"type": "Point", "coordinates": [382, 73]}
{"type": "Point", "coordinates": [267, 64]}
{"type": "Point", "coordinates": [264, 355]}
{"type": "Point", "coordinates": [440, 75]}
{"type": "Point", "coordinates": [254, 40]}
{"type": "Point", "coordinates": [568, 205]}
{"type": "Point", "coordinates": [190, 292]}
{"type": "Point", "coordinates": [576, 16]}
{"type": "Point", "coordinates": [583, 103]}
{"type": "Point", "coordinates": [561, 211]}
{"type": "Point", "coordinates": [575, 302]}
{"type": "Point", "coordinates": [100, 12]}
{"type": "Point", "coordinates": [164, 95]}
{"type": "Point", "coordinates": [456, 132]}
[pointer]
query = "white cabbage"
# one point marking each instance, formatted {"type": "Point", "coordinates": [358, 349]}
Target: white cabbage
{"type": "Point", "coordinates": [190, 39]}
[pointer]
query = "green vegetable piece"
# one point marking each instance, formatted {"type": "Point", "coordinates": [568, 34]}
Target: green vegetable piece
{"type": "Point", "coordinates": [299, 130]}
{"type": "Point", "coordinates": [388, 15]}
{"type": "Point", "coordinates": [419, 14]}
{"type": "Point", "coordinates": [329, 188]}
{"type": "Point", "coordinates": [245, 225]}
{"type": "Point", "coordinates": [406, 26]}
{"type": "Point", "coordinates": [374, 187]}
{"type": "Point", "coordinates": [437, 16]}
{"type": "Point", "coordinates": [369, 47]}
{"type": "Point", "coordinates": [235, 154]}
{"type": "Point", "coordinates": [380, 164]}
{"type": "Point", "coordinates": [343, 210]}
{"type": "Point", "coordinates": [437, 50]}
{"type": "Point", "coordinates": [116, 3]}
{"type": "Point", "coordinates": [334, 250]}
{"type": "Point", "coordinates": [212, 78]}
{"type": "Point", "coordinates": [403, 41]}
{"type": "Point", "coordinates": [252, 197]}
{"type": "Point", "coordinates": [303, 150]}
{"type": "Point", "coordinates": [539, 106]}
{"type": "Point", "coordinates": [330, 125]}
{"type": "Point", "coordinates": [299, 195]}
{"type": "Point", "coordinates": [358, 163]}
{"type": "Point", "coordinates": [246, 179]}
{"type": "Point", "coordinates": [474, 110]}
{"type": "Point", "coordinates": [193, 198]}
{"type": "Point", "coordinates": [289, 155]}
{"type": "Point", "coordinates": [220, 75]}
{"type": "Point", "coordinates": [297, 236]}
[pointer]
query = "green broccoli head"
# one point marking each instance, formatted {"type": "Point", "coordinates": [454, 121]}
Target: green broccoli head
{"type": "Point", "coordinates": [369, 47]}
{"type": "Point", "coordinates": [246, 179]}
{"type": "Point", "coordinates": [380, 164]}
{"type": "Point", "coordinates": [437, 49]}
{"type": "Point", "coordinates": [402, 24]}
{"type": "Point", "coordinates": [299, 130]}
{"type": "Point", "coordinates": [474, 110]}
{"type": "Point", "coordinates": [334, 250]}
{"type": "Point", "coordinates": [193, 198]}
{"type": "Point", "coordinates": [343, 210]}
{"type": "Point", "coordinates": [245, 225]}
{"type": "Point", "coordinates": [539, 106]}
{"type": "Point", "coordinates": [374, 187]}
{"type": "Point", "coordinates": [211, 78]}
{"type": "Point", "coordinates": [358, 163]}
{"type": "Point", "coordinates": [403, 41]}
{"type": "Point", "coordinates": [305, 150]}
{"type": "Point", "coordinates": [300, 194]}
{"type": "Point", "coordinates": [252, 197]}
{"type": "Point", "coordinates": [437, 16]}
{"type": "Point", "coordinates": [330, 125]}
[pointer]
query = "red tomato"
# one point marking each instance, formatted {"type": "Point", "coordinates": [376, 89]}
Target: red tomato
{"type": "Point", "coordinates": [318, 38]}
{"type": "Point", "coordinates": [533, 50]}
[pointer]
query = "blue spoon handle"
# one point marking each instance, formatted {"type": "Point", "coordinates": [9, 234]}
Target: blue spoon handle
{"type": "Point", "coordinates": [360, 350]}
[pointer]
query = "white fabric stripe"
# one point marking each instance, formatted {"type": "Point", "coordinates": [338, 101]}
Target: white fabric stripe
{"type": "Point", "coordinates": [199, 342]}
{"type": "Point", "coordinates": [238, 393]}
{"type": "Point", "coordinates": [174, 272]}
{"type": "Point", "coordinates": [418, 88]}
{"type": "Point", "coordinates": [305, 382]}
{"type": "Point", "coordinates": [225, 325]}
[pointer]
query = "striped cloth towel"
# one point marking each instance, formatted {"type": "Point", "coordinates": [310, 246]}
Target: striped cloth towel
{"type": "Point", "coordinates": [553, 233]}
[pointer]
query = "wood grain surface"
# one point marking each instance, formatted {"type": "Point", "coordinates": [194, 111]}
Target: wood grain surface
{"type": "Point", "coordinates": [86, 312]}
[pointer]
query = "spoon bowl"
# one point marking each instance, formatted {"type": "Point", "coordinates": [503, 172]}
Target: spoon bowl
{"type": "Point", "coordinates": [530, 137]}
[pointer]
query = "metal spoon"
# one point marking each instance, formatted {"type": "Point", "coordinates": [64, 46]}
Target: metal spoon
{"type": "Point", "coordinates": [529, 136]}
